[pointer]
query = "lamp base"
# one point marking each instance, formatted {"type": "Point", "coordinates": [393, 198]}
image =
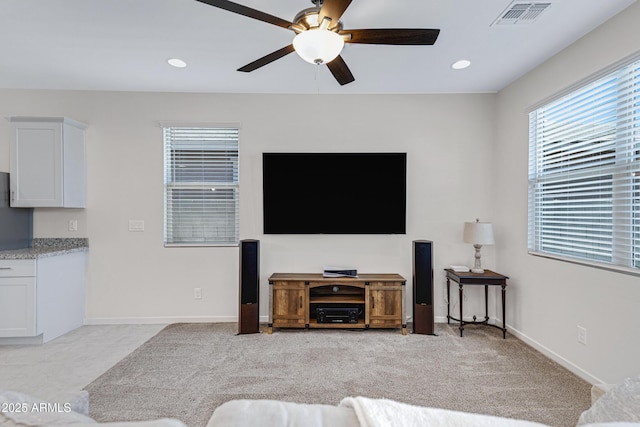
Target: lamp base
{"type": "Point", "coordinates": [477, 266]}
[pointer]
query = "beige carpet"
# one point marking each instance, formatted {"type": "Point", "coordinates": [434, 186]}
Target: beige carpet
{"type": "Point", "coordinates": [187, 370]}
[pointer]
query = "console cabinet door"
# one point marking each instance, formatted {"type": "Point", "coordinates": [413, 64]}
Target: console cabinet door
{"type": "Point", "coordinates": [290, 303]}
{"type": "Point", "coordinates": [385, 305]}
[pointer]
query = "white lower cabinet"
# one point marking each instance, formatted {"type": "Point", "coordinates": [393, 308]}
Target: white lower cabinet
{"type": "Point", "coordinates": [17, 303]}
{"type": "Point", "coordinates": [42, 298]}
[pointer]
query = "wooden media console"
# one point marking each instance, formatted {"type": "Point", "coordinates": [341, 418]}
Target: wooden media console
{"type": "Point", "coordinates": [299, 300]}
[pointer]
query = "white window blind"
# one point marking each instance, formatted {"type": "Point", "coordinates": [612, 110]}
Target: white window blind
{"type": "Point", "coordinates": [584, 173]}
{"type": "Point", "coordinates": [201, 186]}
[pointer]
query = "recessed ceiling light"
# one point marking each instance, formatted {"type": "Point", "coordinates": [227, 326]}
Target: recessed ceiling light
{"type": "Point", "coordinates": [178, 63]}
{"type": "Point", "coordinates": [459, 65]}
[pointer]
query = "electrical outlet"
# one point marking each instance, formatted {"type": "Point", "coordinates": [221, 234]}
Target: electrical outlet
{"type": "Point", "coordinates": [582, 335]}
{"type": "Point", "coordinates": [73, 225]}
{"type": "Point", "coordinates": [197, 293]}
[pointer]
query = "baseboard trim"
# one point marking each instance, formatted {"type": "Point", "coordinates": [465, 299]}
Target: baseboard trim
{"type": "Point", "coordinates": [591, 379]}
{"type": "Point", "coordinates": [200, 319]}
{"type": "Point", "coordinates": [163, 320]}
{"type": "Point", "coordinates": [21, 340]}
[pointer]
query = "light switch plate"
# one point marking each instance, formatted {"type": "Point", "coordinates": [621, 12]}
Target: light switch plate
{"type": "Point", "coordinates": [136, 225]}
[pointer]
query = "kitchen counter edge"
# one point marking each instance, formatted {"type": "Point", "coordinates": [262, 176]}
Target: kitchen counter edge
{"type": "Point", "coordinates": [46, 247]}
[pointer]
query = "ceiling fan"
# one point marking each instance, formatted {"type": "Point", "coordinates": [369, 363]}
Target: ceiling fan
{"type": "Point", "coordinates": [320, 37]}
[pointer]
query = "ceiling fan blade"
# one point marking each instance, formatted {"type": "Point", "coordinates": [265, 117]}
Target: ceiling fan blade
{"type": "Point", "coordinates": [267, 59]}
{"type": "Point", "coordinates": [247, 11]}
{"type": "Point", "coordinates": [333, 9]}
{"type": "Point", "coordinates": [395, 36]}
{"type": "Point", "coordinates": [340, 71]}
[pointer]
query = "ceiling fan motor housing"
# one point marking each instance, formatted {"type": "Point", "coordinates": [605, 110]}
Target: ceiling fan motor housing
{"type": "Point", "coordinates": [308, 18]}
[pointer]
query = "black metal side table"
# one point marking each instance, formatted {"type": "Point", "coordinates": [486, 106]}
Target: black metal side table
{"type": "Point", "coordinates": [488, 278]}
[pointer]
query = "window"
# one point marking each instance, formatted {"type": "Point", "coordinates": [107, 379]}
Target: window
{"type": "Point", "coordinates": [201, 186]}
{"type": "Point", "coordinates": [584, 172]}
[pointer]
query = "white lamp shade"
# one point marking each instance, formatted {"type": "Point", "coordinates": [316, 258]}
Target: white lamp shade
{"type": "Point", "coordinates": [318, 46]}
{"type": "Point", "coordinates": [478, 233]}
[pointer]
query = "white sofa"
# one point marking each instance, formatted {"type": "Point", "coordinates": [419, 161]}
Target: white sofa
{"type": "Point", "coordinates": [351, 412]}
{"type": "Point", "coordinates": [365, 412]}
{"type": "Point", "coordinates": [618, 407]}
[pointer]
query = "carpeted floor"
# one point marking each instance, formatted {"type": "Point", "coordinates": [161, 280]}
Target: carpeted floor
{"type": "Point", "coordinates": [187, 370]}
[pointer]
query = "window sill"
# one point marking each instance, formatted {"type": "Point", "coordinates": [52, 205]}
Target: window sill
{"type": "Point", "coordinates": [602, 266]}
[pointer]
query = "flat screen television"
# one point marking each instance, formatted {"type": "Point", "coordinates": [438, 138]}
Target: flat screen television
{"type": "Point", "coordinates": [334, 193]}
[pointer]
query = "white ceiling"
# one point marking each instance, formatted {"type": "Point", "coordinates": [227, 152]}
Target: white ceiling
{"type": "Point", "coordinates": [123, 45]}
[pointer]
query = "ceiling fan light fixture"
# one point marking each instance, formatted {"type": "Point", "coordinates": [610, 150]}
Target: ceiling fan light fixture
{"type": "Point", "coordinates": [318, 46]}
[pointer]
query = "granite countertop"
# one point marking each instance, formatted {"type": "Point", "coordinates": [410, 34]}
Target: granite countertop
{"type": "Point", "coordinates": [41, 247]}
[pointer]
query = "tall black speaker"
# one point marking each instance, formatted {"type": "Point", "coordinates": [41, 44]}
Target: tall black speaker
{"type": "Point", "coordinates": [249, 312]}
{"type": "Point", "coordinates": [423, 287]}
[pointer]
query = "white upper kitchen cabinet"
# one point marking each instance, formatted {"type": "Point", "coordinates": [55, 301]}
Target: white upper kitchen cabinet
{"type": "Point", "coordinates": [47, 162]}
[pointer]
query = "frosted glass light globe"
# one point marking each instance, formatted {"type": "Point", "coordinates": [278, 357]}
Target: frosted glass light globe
{"type": "Point", "coordinates": [318, 46]}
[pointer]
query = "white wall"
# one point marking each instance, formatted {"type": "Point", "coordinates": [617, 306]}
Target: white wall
{"type": "Point", "coordinates": [133, 278]}
{"type": "Point", "coordinates": [547, 299]}
{"type": "Point", "coordinates": [467, 158]}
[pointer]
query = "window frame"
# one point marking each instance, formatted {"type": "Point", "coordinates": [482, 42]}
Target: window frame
{"type": "Point", "coordinates": [628, 186]}
{"type": "Point", "coordinates": [170, 183]}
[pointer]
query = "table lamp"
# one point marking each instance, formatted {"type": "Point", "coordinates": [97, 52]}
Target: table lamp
{"type": "Point", "coordinates": [478, 233]}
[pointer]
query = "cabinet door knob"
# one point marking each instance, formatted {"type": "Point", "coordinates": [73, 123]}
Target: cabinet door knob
{"type": "Point", "coordinates": [373, 302]}
{"type": "Point", "coordinates": [300, 301]}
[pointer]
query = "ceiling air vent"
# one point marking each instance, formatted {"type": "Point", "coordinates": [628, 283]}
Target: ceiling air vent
{"type": "Point", "coordinates": [520, 12]}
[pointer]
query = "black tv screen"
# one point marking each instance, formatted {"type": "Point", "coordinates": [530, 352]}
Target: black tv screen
{"type": "Point", "coordinates": [334, 193]}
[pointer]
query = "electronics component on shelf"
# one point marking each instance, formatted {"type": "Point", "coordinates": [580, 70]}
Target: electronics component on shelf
{"type": "Point", "coordinates": [337, 314]}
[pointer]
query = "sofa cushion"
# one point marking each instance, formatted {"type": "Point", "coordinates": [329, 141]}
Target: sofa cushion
{"type": "Point", "coordinates": [272, 413]}
{"type": "Point", "coordinates": [620, 403]}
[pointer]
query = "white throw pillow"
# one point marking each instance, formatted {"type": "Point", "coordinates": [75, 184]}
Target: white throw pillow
{"type": "Point", "coordinates": [620, 403]}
